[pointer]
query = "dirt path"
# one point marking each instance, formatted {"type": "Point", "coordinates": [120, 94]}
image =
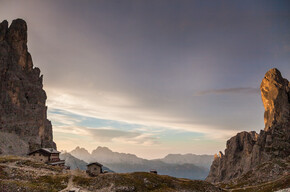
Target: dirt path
{"type": "Point", "coordinates": [69, 184]}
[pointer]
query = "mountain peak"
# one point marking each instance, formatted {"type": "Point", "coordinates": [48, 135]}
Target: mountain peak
{"type": "Point", "coordinates": [81, 153]}
{"type": "Point", "coordinates": [3, 29]}
{"type": "Point", "coordinates": [80, 150]}
{"type": "Point", "coordinates": [17, 31]}
{"type": "Point", "coordinates": [275, 92]}
{"type": "Point", "coordinates": [274, 74]}
{"type": "Point", "coordinates": [103, 149]}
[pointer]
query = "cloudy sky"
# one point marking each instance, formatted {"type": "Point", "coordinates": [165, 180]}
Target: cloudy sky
{"type": "Point", "coordinates": [154, 77]}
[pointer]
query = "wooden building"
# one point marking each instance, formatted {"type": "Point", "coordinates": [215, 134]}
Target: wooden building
{"type": "Point", "coordinates": [153, 171]}
{"type": "Point", "coordinates": [94, 169]}
{"type": "Point", "coordinates": [47, 155]}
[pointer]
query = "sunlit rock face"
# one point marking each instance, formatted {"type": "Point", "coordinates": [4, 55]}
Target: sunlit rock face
{"type": "Point", "coordinates": [247, 150]}
{"type": "Point", "coordinates": [275, 95]}
{"type": "Point", "coordinates": [23, 121]}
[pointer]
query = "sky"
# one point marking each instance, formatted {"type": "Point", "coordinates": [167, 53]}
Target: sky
{"type": "Point", "coordinates": [154, 77]}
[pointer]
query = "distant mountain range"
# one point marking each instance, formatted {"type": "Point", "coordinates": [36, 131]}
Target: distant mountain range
{"type": "Point", "coordinates": [75, 163]}
{"type": "Point", "coordinates": [198, 160]}
{"type": "Point", "coordinates": [183, 166]}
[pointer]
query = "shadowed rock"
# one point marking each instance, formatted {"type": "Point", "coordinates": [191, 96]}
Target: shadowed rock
{"type": "Point", "coordinates": [23, 121]}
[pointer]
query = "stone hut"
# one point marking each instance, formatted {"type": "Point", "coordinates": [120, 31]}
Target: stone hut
{"type": "Point", "coordinates": [47, 155]}
{"type": "Point", "coordinates": [94, 169]}
{"type": "Point", "coordinates": [153, 171]}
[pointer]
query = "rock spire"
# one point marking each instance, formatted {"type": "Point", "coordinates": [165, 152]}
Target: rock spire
{"type": "Point", "coordinates": [23, 114]}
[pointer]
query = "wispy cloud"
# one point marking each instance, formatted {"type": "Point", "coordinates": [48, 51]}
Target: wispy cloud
{"type": "Point", "coordinates": [244, 90]}
{"type": "Point", "coordinates": [63, 119]}
{"type": "Point", "coordinates": [68, 123]}
{"type": "Point", "coordinates": [144, 120]}
{"type": "Point", "coordinates": [132, 137]}
{"type": "Point", "coordinates": [108, 134]}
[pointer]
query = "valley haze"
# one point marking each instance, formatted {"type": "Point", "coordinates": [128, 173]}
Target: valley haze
{"type": "Point", "coordinates": [182, 166]}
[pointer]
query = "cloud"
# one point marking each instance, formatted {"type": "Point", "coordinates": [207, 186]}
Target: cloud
{"type": "Point", "coordinates": [108, 134]}
{"type": "Point", "coordinates": [62, 119]}
{"type": "Point", "coordinates": [75, 130]}
{"type": "Point", "coordinates": [132, 137]}
{"type": "Point", "coordinates": [244, 90]}
{"type": "Point", "coordinates": [133, 112]}
{"type": "Point", "coordinates": [68, 123]}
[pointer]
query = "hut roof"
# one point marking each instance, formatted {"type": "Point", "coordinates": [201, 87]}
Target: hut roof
{"type": "Point", "coordinates": [45, 150]}
{"type": "Point", "coordinates": [57, 162]}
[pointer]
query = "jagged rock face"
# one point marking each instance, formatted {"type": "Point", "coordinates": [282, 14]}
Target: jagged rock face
{"type": "Point", "coordinates": [275, 96]}
{"type": "Point", "coordinates": [247, 150]}
{"type": "Point", "coordinates": [22, 98]}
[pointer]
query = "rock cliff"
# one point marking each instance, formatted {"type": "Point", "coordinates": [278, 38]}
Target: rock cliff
{"type": "Point", "coordinates": [23, 122]}
{"type": "Point", "coordinates": [248, 151]}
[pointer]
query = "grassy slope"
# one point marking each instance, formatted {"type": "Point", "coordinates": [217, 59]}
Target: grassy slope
{"type": "Point", "coordinates": [281, 183]}
{"type": "Point", "coordinates": [23, 174]}
{"type": "Point", "coordinates": [142, 181]}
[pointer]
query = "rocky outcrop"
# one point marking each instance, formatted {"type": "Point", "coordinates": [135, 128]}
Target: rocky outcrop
{"type": "Point", "coordinates": [23, 121]}
{"type": "Point", "coordinates": [275, 95]}
{"type": "Point", "coordinates": [248, 150]}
